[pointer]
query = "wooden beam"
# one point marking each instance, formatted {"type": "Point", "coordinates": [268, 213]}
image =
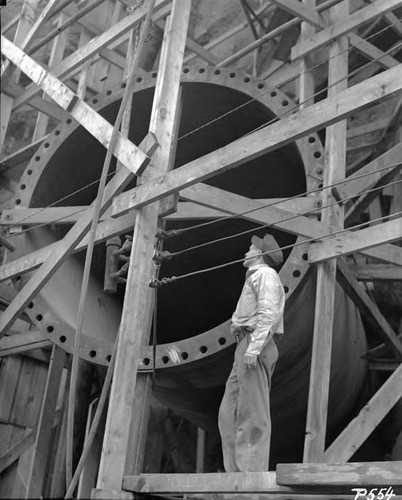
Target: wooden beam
{"type": "Point", "coordinates": [99, 127]}
{"type": "Point", "coordinates": [47, 107]}
{"type": "Point", "coordinates": [229, 482]}
{"type": "Point", "coordinates": [355, 241]}
{"type": "Point", "coordinates": [368, 308]}
{"type": "Point", "coordinates": [136, 308]}
{"type": "Point", "coordinates": [68, 243]}
{"type": "Point", "coordinates": [267, 139]}
{"type": "Point", "coordinates": [22, 155]}
{"type": "Point", "coordinates": [233, 204]}
{"type": "Point", "coordinates": [377, 272]}
{"type": "Point", "coordinates": [371, 51]}
{"type": "Point", "coordinates": [301, 11]}
{"type": "Point", "coordinates": [380, 351]}
{"type": "Point", "coordinates": [38, 459]}
{"type": "Point", "coordinates": [23, 342]}
{"type": "Point", "coordinates": [334, 171]}
{"type": "Point", "coordinates": [371, 174]}
{"type": "Point", "coordinates": [357, 474]}
{"type": "Point", "coordinates": [56, 56]}
{"type": "Point", "coordinates": [383, 365]}
{"type": "Point", "coordinates": [338, 29]}
{"type": "Point", "coordinates": [38, 24]}
{"type": "Point", "coordinates": [75, 60]}
{"type": "Point", "coordinates": [14, 453]}
{"type": "Point", "coordinates": [360, 428]}
{"type": "Point", "coordinates": [25, 22]}
{"type": "Point", "coordinates": [69, 215]}
{"type": "Point", "coordinates": [105, 230]}
{"type": "Point", "coordinates": [389, 253]}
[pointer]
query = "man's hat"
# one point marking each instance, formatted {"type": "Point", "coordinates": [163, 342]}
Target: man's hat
{"type": "Point", "coordinates": [269, 244]}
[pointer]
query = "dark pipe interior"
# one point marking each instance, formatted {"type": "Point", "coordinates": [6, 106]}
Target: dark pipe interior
{"type": "Point", "coordinates": [194, 305]}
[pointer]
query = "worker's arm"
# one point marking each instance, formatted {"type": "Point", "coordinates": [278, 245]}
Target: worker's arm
{"type": "Point", "coordinates": [269, 292]}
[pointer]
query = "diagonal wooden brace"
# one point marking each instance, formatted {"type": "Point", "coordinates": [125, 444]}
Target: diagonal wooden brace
{"type": "Point", "coordinates": [125, 151]}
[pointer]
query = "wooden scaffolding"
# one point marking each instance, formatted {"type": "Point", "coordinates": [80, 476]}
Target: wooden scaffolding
{"type": "Point", "coordinates": [360, 163]}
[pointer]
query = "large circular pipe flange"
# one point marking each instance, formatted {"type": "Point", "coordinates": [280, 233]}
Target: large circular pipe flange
{"type": "Point", "coordinates": [40, 186]}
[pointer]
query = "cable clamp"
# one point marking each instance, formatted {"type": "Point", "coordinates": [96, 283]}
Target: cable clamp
{"type": "Point", "coordinates": [165, 235]}
{"type": "Point", "coordinates": [155, 283]}
{"type": "Point", "coordinates": [159, 256]}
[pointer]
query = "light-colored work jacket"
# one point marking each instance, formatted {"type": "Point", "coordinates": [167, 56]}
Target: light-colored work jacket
{"type": "Point", "coordinates": [260, 307]}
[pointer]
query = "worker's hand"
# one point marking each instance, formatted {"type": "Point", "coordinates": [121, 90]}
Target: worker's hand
{"type": "Point", "coordinates": [250, 360]}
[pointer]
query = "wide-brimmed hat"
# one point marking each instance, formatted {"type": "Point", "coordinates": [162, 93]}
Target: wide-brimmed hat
{"type": "Point", "coordinates": [269, 244]}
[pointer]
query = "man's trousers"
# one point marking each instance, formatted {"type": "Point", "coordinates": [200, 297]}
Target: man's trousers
{"type": "Point", "coordinates": [244, 415]}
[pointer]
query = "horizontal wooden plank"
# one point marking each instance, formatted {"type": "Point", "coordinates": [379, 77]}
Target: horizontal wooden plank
{"type": "Point", "coordinates": [358, 474]}
{"type": "Point", "coordinates": [359, 17]}
{"type": "Point", "coordinates": [377, 272]}
{"type": "Point", "coordinates": [22, 342]}
{"type": "Point", "coordinates": [104, 231]}
{"type": "Point", "coordinates": [68, 215]}
{"type": "Point", "coordinates": [354, 241]}
{"type": "Point", "coordinates": [244, 482]}
{"type": "Point", "coordinates": [267, 139]}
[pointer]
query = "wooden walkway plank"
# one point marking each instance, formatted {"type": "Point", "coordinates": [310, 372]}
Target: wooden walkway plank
{"type": "Point", "coordinates": [380, 474]}
{"type": "Point", "coordinates": [229, 482]}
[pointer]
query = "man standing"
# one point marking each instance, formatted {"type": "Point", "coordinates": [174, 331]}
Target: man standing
{"type": "Point", "coordinates": [244, 415]}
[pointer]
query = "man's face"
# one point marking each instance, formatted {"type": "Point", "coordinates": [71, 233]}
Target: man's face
{"type": "Point", "coordinates": [251, 256]}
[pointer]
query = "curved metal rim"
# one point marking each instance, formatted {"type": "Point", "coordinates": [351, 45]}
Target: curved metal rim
{"type": "Point", "coordinates": [294, 269]}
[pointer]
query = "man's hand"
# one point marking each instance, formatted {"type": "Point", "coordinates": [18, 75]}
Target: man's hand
{"type": "Point", "coordinates": [250, 360]}
{"type": "Point", "coordinates": [234, 329]}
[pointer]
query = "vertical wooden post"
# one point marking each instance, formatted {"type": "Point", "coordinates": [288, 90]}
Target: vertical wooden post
{"type": "Point", "coordinates": [43, 431]}
{"type": "Point", "coordinates": [306, 80]}
{"type": "Point", "coordinates": [138, 294]}
{"type": "Point", "coordinates": [56, 56]}
{"type": "Point", "coordinates": [335, 146]}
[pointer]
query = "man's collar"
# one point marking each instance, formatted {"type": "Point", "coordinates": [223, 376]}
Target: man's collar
{"type": "Point", "coordinates": [251, 270]}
